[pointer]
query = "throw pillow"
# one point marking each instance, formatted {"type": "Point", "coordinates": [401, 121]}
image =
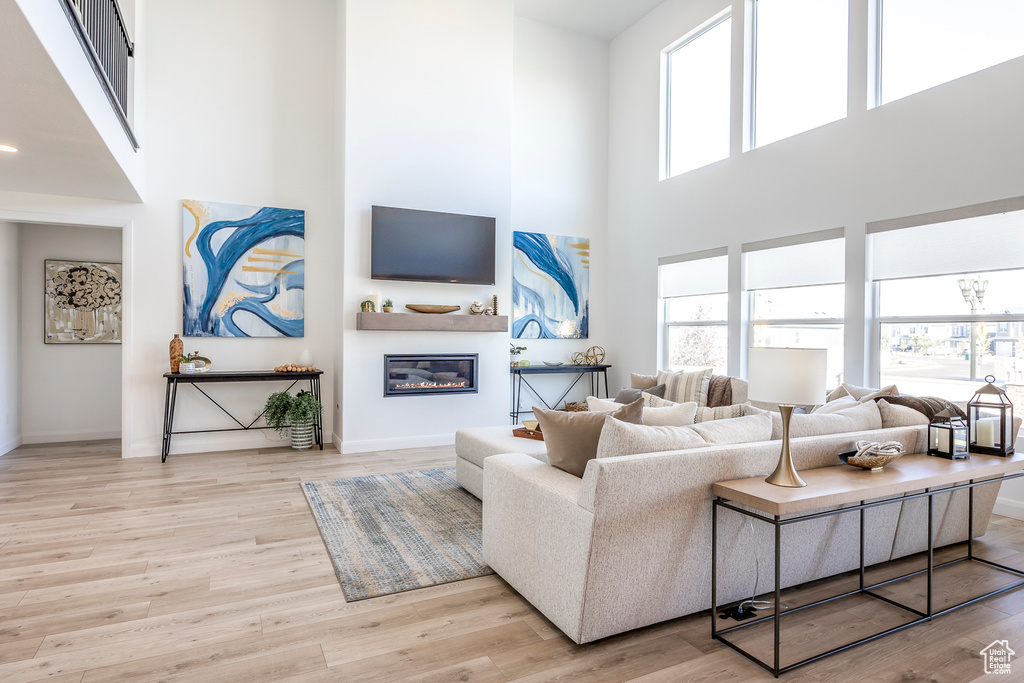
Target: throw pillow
{"type": "Point", "coordinates": [651, 401]}
{"type": "Point", "coordinates": [861, 393]}
{"type": "Point", "coordinates": [736, 430]}
{"type": "Point", "coordinates": [899, 416]}
{"type": "Point", "coordinates": [630, 395]}
{"type": "Point", "coordinates": [571, 438]}
{"type": "Point", "coordinates": [673, 415]}
{"type": "Point", "coordinates": [598, 404]}
{"type": "Point", "coordinates": [860, 417]}
{"type": "Point", "coordinates": [836, 405]}
{"type": "Point", "coordinates": [642, 381]}
{"type": "Point", "coordinates": [684, 386]}
{"type": "Point", "coordinates": [621, 438]}
{"type": "Point", "coordinates": [720, 413]}
{"type": "Point", "coordinates": [927, 405]}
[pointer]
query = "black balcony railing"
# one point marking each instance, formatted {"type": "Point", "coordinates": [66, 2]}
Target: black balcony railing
{"type": "Point", "coordinates": [101, 31]}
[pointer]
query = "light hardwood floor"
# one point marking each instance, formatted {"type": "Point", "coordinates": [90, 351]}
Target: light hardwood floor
{"type": "Point", "coordinates": [210, 568]}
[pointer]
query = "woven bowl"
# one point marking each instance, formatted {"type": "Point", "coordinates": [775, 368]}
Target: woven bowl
{"type": "Point", "coordinates": [868, 461]}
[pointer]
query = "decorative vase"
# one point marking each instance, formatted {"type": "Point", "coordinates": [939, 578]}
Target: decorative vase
{"type": "Point", "coordinates": [302, 436]}
{"type": "Point", "coordinates": [187, 368]}
{"type": "Point", "coordinates": [306, 358]}
{"type": "Point", "coordinates": [177, 348]}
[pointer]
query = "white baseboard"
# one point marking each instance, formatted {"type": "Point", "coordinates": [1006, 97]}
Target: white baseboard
{"type": "Point", "coordinates": [1009, 508]}
{"type": "Point", "coordinates": [70, 435]}
{"type": "Point", "coordinates": [182, 444]}
{"type": "Point", "coordinates": [9, 446]}
{"type": "Point", "coordinates": [396, 444]}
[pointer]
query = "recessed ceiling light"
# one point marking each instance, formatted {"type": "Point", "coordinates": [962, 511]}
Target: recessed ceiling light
{"type": "Point", "coordinates": [8, 148]}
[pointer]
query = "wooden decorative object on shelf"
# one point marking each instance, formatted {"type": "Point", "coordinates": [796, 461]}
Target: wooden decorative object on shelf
{"type": "Point", "coordinates": [524, 433]}
{"type": "Point", "coordinates": [431, 308]}
{"type": "Point", "coordinates": [292, 367]}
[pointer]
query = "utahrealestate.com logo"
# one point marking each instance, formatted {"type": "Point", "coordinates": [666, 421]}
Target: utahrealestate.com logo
{"type": "Point", "coordinates": [997, 657]}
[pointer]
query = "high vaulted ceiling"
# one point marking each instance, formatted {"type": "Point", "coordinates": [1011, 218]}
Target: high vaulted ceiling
{"type": "Point", "coordinates": [603, 19]}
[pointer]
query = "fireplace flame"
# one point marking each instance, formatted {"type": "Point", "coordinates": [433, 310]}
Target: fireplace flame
{"type": "Point", "coordinates": [430, 385]}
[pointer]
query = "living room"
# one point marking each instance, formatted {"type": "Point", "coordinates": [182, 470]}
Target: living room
{"type": "Point", "coordinates": [537, 114]}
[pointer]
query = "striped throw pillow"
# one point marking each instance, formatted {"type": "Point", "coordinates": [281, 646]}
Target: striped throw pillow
{"type": "Point", "coordinates": [686, 386]}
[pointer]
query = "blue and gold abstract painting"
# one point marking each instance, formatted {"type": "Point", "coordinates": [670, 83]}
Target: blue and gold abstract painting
{"type": "Point", "coordinates": [244, 270]}
{"type": "Point", "coordinates": [550, 286]}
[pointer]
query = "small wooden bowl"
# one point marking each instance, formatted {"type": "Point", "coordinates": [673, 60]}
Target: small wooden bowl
{"type": "Point", "coordinates": [869, 461]}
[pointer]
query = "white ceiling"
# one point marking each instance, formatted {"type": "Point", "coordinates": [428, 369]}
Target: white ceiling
{"type": "Point", "coordinates": [60, 150]}
{"type": "Point", "coordinates": [603, 19]}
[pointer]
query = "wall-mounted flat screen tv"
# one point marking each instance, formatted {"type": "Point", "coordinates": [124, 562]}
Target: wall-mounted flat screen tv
{"type": "Point", "coordinates": [429, 246]}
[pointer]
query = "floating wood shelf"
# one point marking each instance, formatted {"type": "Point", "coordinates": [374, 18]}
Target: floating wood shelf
{"type": "Point", "coordinates": [427, 322]}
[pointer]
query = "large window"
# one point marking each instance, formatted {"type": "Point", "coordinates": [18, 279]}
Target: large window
{"type": "Point", "coordinates": [942, 330]}
{"type": "Point", "coordinates": [695, 311]}
{"type": "Point", "coordinates": [797, 296]}
{"type": "Point", "coordinates": [800, 72]}
{"type": "Point", "coordinates": [927, 42]}
{"type": "Point", "coordinates": [698, 74]}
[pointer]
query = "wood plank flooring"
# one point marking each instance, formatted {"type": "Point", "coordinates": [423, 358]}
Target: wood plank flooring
{"type": "Point", "coordinates": [209, 567]}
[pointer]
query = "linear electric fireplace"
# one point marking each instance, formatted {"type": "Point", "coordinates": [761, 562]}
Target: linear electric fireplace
{"type": "Point", "coordinates": [418, 375]}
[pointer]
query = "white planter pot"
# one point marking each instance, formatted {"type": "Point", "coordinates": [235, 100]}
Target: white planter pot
{"type": "Point", "coordinates": [302, 436]}
{"type": "Point", "coordinates": [187, 368]}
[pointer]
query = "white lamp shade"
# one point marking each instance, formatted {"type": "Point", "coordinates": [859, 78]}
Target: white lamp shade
{"type": "Point", "coordinates": [787, 376]}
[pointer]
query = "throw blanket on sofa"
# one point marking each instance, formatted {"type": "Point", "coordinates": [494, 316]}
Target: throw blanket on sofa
{"type": "Point", "coordinates": [719, 391]}
{"type": "Point", "coordinates": [927, 405]}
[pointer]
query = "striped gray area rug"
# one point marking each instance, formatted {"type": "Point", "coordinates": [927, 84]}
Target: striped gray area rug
{"type": "Point", "coordinates": [389, 533]}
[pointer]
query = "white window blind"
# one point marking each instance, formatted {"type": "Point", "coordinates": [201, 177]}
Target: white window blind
{"type": "Point", "coordinates": [821, 262]}
{"type": "Point", "coordinates": [706, 273]}
{"type": "Point", "coordinates": [982, 243]}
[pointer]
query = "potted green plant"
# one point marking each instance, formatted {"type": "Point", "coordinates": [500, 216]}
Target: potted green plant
{"type": "Point", "coordinates": [187, 363]}
{"type": "Point", "coordinates": [515, 351]}
{"type": "Point", "coordinates": [388, 306]}
{"type": "Point", "coordinates": [295, 414]}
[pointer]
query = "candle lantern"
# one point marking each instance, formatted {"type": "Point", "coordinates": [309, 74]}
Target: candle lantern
{"type": "Point", "coordinates": [947, 436]}
{"type": "Point", "coordinates": [990, 421]}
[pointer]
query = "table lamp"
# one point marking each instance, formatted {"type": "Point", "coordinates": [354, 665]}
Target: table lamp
{"type": "Point", "coordinates": [789, 377]}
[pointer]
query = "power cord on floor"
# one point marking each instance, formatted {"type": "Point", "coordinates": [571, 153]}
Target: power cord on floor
{"type": "Point", "coordinates": [752, 604]}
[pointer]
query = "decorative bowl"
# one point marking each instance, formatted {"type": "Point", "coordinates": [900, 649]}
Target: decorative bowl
{"type": "Point", "coordinates": [869, 461]}
{"type": "Point", "coordinates": [552, 362]}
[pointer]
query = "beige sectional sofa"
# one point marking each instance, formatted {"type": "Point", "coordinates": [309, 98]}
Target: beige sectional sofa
{"type": "Point", "coordinates": [629, 544]}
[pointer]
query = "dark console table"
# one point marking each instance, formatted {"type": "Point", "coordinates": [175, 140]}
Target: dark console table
{"type": "Point", "coordinates": [174, 379]}
{"type": "Point", "coordinates": [579, 370]}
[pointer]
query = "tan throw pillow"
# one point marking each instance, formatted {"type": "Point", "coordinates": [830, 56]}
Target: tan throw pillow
{"type": "Point", "coordinates": [571, 438]}
{"type": "Point", "coordinates": [642, 381]}
{"type": "Point", "coordinates": [682, 387]}
{"type": "Point", "coordinates": [860, 417]}
{"type": "Point", "coordinates": [672, 415]}
{"type": "Point", "coordinates": [899, 416]}
{"type": "Point", "coordinates": [720, 413]}
{"type": "Point", "coordinates": [620, 438]}
{"type": "Point", "coordinates": [736, 430]}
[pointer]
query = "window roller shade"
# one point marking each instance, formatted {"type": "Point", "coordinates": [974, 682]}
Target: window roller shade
{"type": "Point", "coordinates": [797, 265]}
{"type": "Point", "coordinates": [983, 243]}
{"type": "Point", "coordinates": [689, 278]}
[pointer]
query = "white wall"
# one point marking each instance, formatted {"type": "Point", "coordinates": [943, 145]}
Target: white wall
{"type": "Point", "coordinates": [238, 107]}
{"type": "Point", "coordinates": [953, 145]}
{"type": "Point", "coordinates": [560, 172]}
{"type": "Point", "coordinates": [428, 125]}
{"type": "Point", "coordinates": [10, 339]}
{"type": "Point", "coordinates": [73, 391]}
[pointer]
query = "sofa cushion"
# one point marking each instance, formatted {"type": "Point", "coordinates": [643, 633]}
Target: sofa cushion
{"type": "Point", "coordinates": [899, 416]}
{"type": "Point", "coordinates": [637, 381]}
{"type": "Point", "coordinates": [860, 417]}
{"type": "Point", "coordinates": [620, 438]}
{"type": "Point", "coordinates": [572, 438]}
{"type": "Point", "coordinates": [476, 443]}
{"type": "Point", "coordinates": [747, 429]}
{"type": "Point", "coordinates": [630, 395]}
{"type": "Point", "coordinates": [673, 415]}
{"type": "Point", "coordinates": [706, 414]}
{"type": "Point", "coordinates": [684, 386]}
